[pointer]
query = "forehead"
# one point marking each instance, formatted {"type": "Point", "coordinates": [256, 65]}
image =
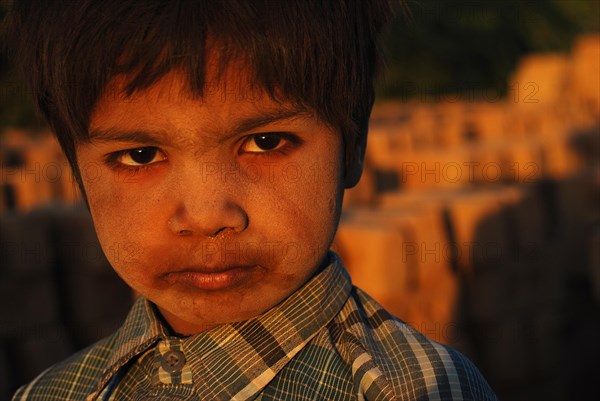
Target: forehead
{"type": "Point", "coordinates": [227, 93]}
{"type": "Point", "coordinates": [169, 111]}
{"type": "Point", "coordinates": [232, 81]}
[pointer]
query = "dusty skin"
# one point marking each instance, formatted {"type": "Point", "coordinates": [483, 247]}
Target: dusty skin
{"type": "Point", "coordinates": [228, 203]}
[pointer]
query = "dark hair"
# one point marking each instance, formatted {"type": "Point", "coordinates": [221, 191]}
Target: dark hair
{"type": "Point", "coordinates": [321, 54]}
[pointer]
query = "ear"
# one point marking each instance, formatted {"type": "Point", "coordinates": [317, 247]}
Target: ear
{"type": "Point", "coordinates": [354, 168]}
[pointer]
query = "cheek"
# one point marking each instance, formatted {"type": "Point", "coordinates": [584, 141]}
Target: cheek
{"type": "Point", "coordinates": [125, 225]}
{"type": "Point", "coordinates": [303, 208]}
{"type": "Point", "coordinates": [111, 211]}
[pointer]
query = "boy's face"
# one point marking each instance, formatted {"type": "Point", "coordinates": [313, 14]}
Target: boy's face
{"type": "Point", "coordinates": [214, 208]}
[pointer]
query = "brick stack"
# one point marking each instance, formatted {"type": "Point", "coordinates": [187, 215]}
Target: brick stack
{"type": "Point", "coordinates": [53, 285]}
{"type": "Point", "coordinates": [33, 171]}
{"type": "Point", "coordinates": [483, 218]}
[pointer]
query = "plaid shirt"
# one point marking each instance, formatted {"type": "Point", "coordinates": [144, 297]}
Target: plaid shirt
{"type": "Point", "coordinates": [327, 341]}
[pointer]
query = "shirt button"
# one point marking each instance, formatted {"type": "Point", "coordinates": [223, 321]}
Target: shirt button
{"type": "Point", "coordinates": [172, 361]}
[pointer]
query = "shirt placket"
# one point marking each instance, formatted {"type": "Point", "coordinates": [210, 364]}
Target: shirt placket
{"type": "Point", "coordinates": [170, 364]}
{"type": "Point", "coordinates": [162, 373]}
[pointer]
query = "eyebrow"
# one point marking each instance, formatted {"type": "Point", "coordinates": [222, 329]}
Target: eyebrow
{"type": "Point", "coordinates": [157, 137]}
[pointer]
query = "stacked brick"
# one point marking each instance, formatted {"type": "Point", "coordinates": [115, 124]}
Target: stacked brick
{"type": "Point", "coordinates": [58, 293]}
{"type": "Point", "coordinates": [33, 171]}
{"type": "Point", "coordinates": [478, 220]}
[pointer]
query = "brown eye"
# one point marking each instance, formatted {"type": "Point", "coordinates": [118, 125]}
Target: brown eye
{"type": "Point", "coordinates": [270, 143]}
{"type": "Point", "coordinates": [267, 141]}
{"type": "Point", "coordinates": [143, 155]}
{"type": "Point", "coordinates": [263, 143]}
{"type": "Point", "coordinates": [140, 156]}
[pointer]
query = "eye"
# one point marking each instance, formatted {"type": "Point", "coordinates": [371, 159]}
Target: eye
{"type": "Point", "coordinates": [268, 142]}
{"type": "Point", "coordinates": [139, 156]}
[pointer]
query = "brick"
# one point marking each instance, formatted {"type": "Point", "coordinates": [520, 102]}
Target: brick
{"type": "Point", "coordinates": [477, 220]}
{"type": "Point", "coordinates": [585, 73]}
{"type": "Point", "coordinates": [432, 168]}
{"type": "Point", "coordinates": [76, 242]}
{"type": "Point", "coordinates": [479, 228]}
{"type": "Point", "coordinates": [423, 125]}
{"type": "Point", "coordinates": [426, 273]}
{"type": "Point", "coordinates": [27, 301]}
{"type": "Point", "coordinates": [389, 110]}
{"type": "Point", "coordinates": [364, 192]}
{"type": "Point", "coordinates": [560, 159]}
{"type": "Point", "coordinates": [371, 253]}
{"type": "Point", "coordinates": [487, 120]}
{"type": "Point", "coordinates": [385, 140]}
{"type": "Point", "coordinates": [422, 234]}
{"type": "Point", "coordinates": [450, 131]}
{"type": "Point", "coordinates": [539, 80]}
{"type": "Point", "coordinates": [86, 276]}
{"type": "Point", "coordinates": [487, 164]}
{"type": "Point", "coordinates": [25, 246]}
{"type": "Point", "coordinates": [90, 314]}
{"type": "Point", "coordinates": [523, 161]}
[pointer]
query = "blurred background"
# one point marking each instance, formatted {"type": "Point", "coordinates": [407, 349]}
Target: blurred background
{"type": "Point", "coordinates": [477, 219]}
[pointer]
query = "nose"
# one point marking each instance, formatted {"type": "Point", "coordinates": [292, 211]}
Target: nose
{"type": "Point", "coordinates": [207, 206]}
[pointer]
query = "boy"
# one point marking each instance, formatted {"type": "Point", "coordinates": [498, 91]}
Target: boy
{"type": "Point", "coordinates": [218, 138]}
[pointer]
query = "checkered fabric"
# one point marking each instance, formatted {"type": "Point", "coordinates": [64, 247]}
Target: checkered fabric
{"type": "Point", "coordinates": [327, 341]}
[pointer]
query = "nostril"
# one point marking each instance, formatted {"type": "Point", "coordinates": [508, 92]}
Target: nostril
{"type": "Point", "coordinates": [216, 233]}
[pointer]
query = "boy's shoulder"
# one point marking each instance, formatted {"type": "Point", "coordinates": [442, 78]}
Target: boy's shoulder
{"type": "Point", "coordinates": [86, 371]}
{"type": "Point", "coordinates": [391, 358]}
{"type": "Point", "coordinates": [72, 379]}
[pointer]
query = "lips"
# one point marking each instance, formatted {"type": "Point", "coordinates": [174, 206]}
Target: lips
{"type": "Point", "coordinates": [211, 278]}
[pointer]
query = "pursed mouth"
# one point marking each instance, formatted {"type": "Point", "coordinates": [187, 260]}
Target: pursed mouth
{"type": "Point", "coordinates": [211, 278]}
{"type": "Point", "coordinates": [209, 269]}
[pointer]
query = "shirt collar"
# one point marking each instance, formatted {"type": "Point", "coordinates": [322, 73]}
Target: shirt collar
{"type": "Point", "coordinates": [235, 361]}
